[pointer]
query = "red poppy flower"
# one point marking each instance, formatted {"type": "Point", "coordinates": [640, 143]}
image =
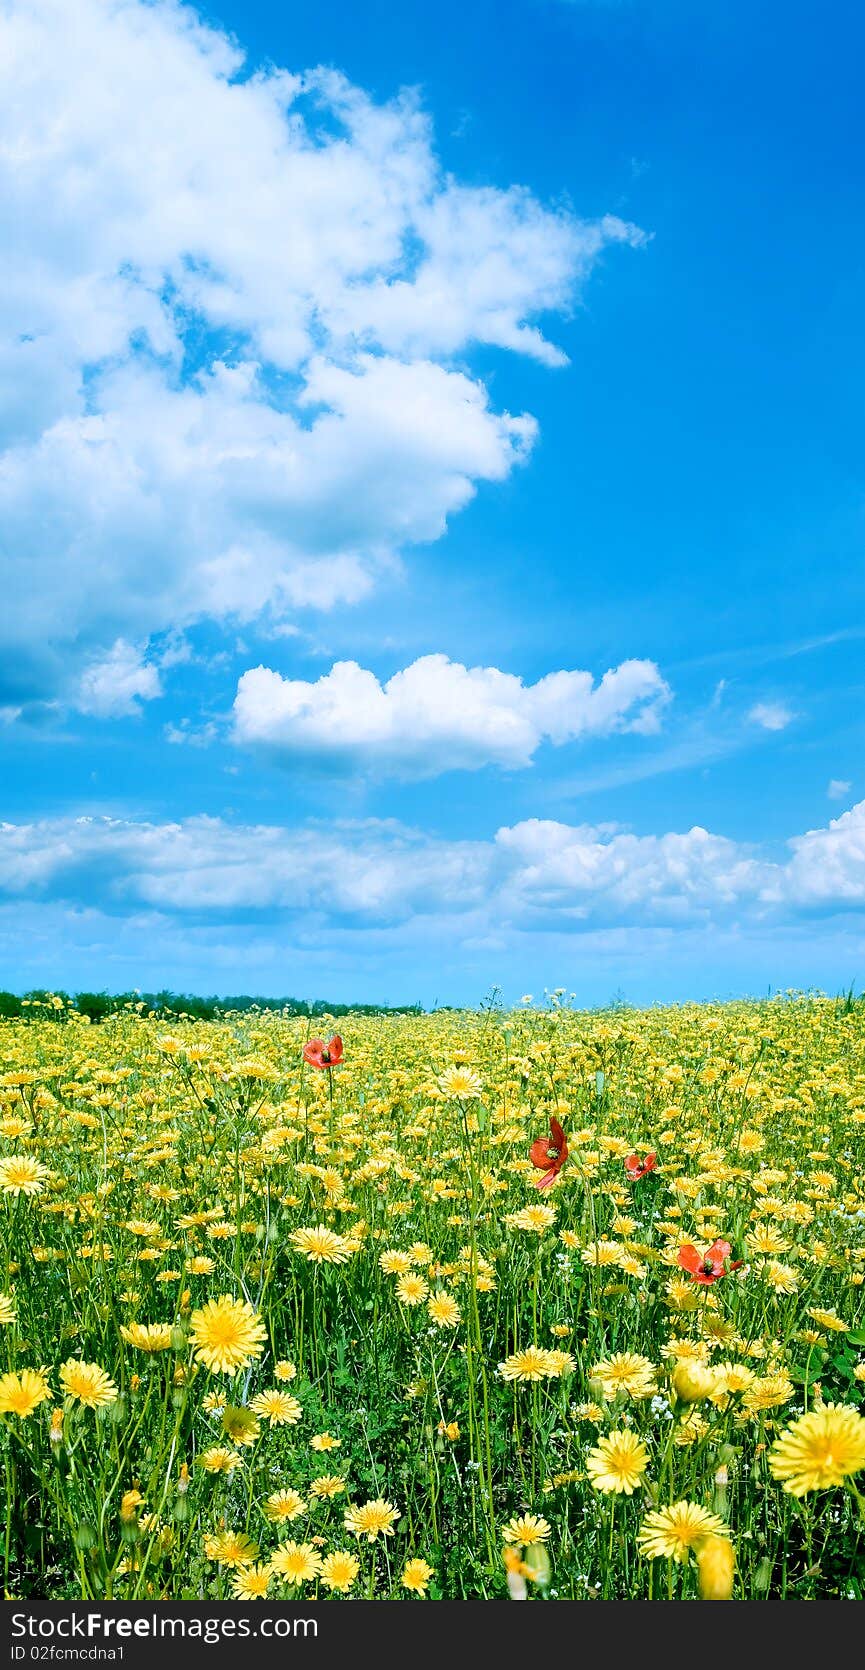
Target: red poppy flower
{"type": "Point", "coordinates": [708, 1266]}
{"type": "Point", "coordinates": [319, 1054]}
{"type": "Point", "coordinates": [636, 1168]}
{"type": "Point", "coordinates": [549, 1155]}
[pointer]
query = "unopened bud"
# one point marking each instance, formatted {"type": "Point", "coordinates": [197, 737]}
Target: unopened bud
{"type": "Point", "coordinates": [715, 1564]}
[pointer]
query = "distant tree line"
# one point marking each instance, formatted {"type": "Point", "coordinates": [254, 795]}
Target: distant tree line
{"type": "Point", "coordinates": [98, 1005]}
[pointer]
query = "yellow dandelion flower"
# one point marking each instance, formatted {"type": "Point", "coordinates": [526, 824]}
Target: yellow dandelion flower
{"type": "Point", "coordinates": [828, 1319]}
{"type": "Point", "coordinates": [617, 1463]}
{"type": "Point", "coordinates": [219, 1459]}
{"type": "Point", "coordinates": [671, 1533]}
{"type": "Point", "coordinates": [283, 1505]}
{"type": "Point", "coordinates": [444, 1311]}
{"type": "Point", "coordinates": [87, 1384]}
{"type": "Point", "coordinates": [148, 1336]}
{"type": "Point", "coordinates": [327, 1486]}
{"type": "Point", "coordinates": [321, 1245]}
{"type": "Point", "coordinates": [231, 1548]}
{"type": "Point", "coordinates": [525, 1529]}
{"type": "Point", "coordinates": [460, 1084]}
{"type": "Point", "coordinates": [412, 1290]}
{"type": "Point", "coordinates": [240, 1425]}
{"type": "Point", "coordinates": [296, 1562]}
{"type": "Point", "coordinates": [252, 1583]}
{"type": "Point", "coordinates": [226, 1334]}
{"type": "Point", "coordinates": [821, 1449]}
{"type": "Point", "coordinates": [21, 1175]}
{"type": "Point", "coordinates": [278, 1408]}
{"type": "Point", "coordinates": [626, 1372]}
{"type": "Point", "coordinates": [339, 1571]}
{"type": "Point", "coordinates": [21, 1393]}
{"type": "Point", "coordinates": [372, 1519]}
{"type": "Point", "coordinates": [416, 1576]}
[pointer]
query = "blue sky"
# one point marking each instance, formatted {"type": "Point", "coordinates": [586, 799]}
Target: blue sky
{"type": "Point", "coordinates": [432, 499]}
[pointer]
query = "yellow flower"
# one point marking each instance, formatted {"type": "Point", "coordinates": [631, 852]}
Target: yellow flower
{"type": "Point", "coordinates": [20, 1175]}
{"type": "Point", "coordinates": [130, 1503]}
{"type": "Point", "coordinates": [87, 1383]}
{"type": "Point", "coordinates": [240, 1425]}
{"type": "Point", "coordinates": [821, 1449]}
{"type": "Point", "coordinates": [828, 1319]}
{"type": "Point", "coordinates": [617, 1463]}
{"type": "Point", "coordinates": [284, 1370]}
{"type": "Point", "coordinates": [395, 1263]}
{"type": "Point", "coordinates": [218, 1459]}
{"type": "Point", "coordinates": [373, 1519]}
{"type": "Point", "coordinates": [284, 1505]}
{"type": "Point", "coordinates": [559, 1363]}
{"type": "Point", "coordinates": [148, 1336]}
{"type": "Point", "coordinates": [694, 1380]}
{"type": "Point", "coordinates": [444, 1311]}
{"type": "Point", "coordinates": [671, 1533]}
{"type": "Point", "coordinates": [768, 1392]}
{"type": "Point", "coordinates": [527, 1529]}
{"type": "Point", "coordinates": [602, 1253]}
{"type": "Point", "coordinates": [8, 1312]}
{"type": "Point", "coordinates": [324, 1441]}
{"type": "Point", "coordinates": [279, 1408]}
{"type": "Point", "coordinates": [321, 1245]}
{"type": "Point", "coordinates": [21, 1393]}
{"type": "Point", "coordinates": [460, 1084]}
{"type": "Point", "coordinates": [626, 1372]}
{"type": "Point", "coordinates": [296, 1562]}
{"type": "Point", "coordinates": [716, 1562]}
{"type": "Point", "coordinates": [252, 1583]}
{"type": "Point", "coordinates": [327, 1486]}
{"type": "Point", "coordinates": [534, 1219]}
{"type": "Point", "coordinates": [227, 1334]}
{"type": "Point", "coordinates": [231, 1548]}
{"type": "Point", "coordinates": [531, 1364]}
{"type": "Point", "coordinates": [339, 1571]}
{"type": "Point", "coordinates": [416, 1576]}
{"type": "Point", "coordinates": [412, 1289]}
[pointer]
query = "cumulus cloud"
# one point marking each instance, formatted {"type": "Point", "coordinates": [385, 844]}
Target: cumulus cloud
{"type": "Point", "coordinates": [438, 715]}
{"type": "Point", "coordinates": [838, 788]}
{"type": "Point", "coordinates": [538, 874]}
{"type": "Point", "coordinates": [771, 716]}
{"type": "Point", "coordinates": [827, 868]}
{"type": "Point", "coordinates": [231, 307]}
{"type": "Point", "coordinates": [118, 684]}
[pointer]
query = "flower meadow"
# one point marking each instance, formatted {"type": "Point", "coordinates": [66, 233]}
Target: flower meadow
{"type": "Point", "coordinates": [542, 1304]}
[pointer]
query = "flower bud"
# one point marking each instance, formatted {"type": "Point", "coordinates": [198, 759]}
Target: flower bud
{"type": "Point", "coordinates": [538, 1561]}
{"type": "Point", "coordinates": [693, 1381]}
{"type": "Point", "coordinates": [715, 1563]}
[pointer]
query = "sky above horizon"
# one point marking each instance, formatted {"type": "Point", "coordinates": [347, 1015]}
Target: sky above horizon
{"type": "Point", "coordinates": [431, 498]}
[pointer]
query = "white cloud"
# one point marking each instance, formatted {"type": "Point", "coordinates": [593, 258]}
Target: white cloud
{"type": "Point", "coordinates": [231, 306]}
{"type": "Point", "coordinates": [771, 716]}
{"type": "Point", "coordinates": [838, 788]}
{"type": "Point", "coordinates": [118, 684]}
{"type": "Point", "coordinates": [828, 865]}
{"type": "Point", "coordinates": [438, 715]}
{"type": "Point", "coordinates": [537, 875]}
